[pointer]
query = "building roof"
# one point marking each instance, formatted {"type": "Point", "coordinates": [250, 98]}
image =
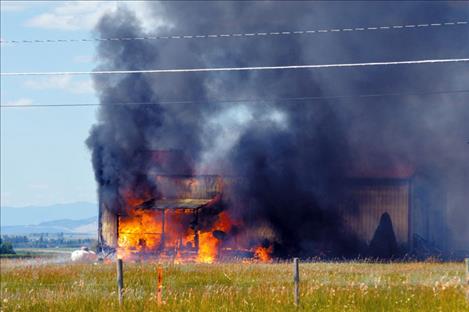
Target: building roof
{"type": "Point", "coordinates": [179, 203]}
{"type": "Point", "coordinates": [187, 203]}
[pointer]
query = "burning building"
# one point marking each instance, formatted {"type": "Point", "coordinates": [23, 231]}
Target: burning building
{"type": "Point", "coordinates": [165, 223]}
{"type": "Point", "coordinates": [184, 220]}
{"type": "Point", "coordinates": [169, 224]}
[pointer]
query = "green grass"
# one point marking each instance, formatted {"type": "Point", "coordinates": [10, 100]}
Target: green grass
{"type": "Point", "coordinates": [45, 251]}
{"type": "Point", "coordinates": [22, 253]}
{"type": "Point", "coordinates": [235, 287]}
{"type": "Point", "coordinates": [17, 256]}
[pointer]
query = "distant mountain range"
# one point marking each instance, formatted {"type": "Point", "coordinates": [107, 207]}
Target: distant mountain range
{"type": "Point", "coordinates": [87, 226]}
{"type": "Point", "coordinates": [79, 217]}
{"type": "Point", "coordinates": [11, 216]}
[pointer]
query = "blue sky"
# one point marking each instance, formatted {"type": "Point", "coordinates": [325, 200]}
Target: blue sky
{"type": "Point", "coordinates": [44, 159]}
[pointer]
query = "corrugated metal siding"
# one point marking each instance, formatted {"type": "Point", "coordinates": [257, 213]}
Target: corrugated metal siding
{"type": "Point", "coordinates": [370, 200]}
{"type": "Point", "coordinates": [429, 213]}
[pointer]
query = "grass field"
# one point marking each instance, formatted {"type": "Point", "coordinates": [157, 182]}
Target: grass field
{"type": "Point", "coordinates": [28, 286]}
{"type": "Point", "coordinates": [39, 253]}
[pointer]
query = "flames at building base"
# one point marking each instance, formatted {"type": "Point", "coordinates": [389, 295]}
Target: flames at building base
{"type": "Point", "coordinates": [186, 220]}
{"type": "Point", "coordinates": [163, 235]}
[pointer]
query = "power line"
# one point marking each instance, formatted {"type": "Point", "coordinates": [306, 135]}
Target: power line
{"type": "Point", "coordinates": [288, 99]}
{"type": "Point", "coordinates": [241, 35]}
{"type": "Point", "coordinates": [220, 69]}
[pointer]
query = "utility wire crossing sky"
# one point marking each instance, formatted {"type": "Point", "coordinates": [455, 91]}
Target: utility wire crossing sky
{"type": "Point", "coordinates": [262, 100]}
{"type": "Point", "coordinates": [238, 35]}
{"type": "Point", "coordinates": [217, 69]}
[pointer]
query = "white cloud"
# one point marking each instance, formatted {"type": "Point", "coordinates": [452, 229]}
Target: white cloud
{"type": "Point", "coordinates": [19, 102]}
{"type": "Point", "coordinates": [84, 15]}
{"type": "Point", "coordinates": [66, 83]}
{"type": "Point", "coordinates": [72, 15]}
{"type": "Point", "coordinates": [13, 6]}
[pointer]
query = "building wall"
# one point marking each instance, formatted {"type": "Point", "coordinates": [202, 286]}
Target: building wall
{"type": "Point", "coordinates": [108, 223]}
{"type": "Point", "coordinates": [370, 198]}
{"type": "Point", "coordinates": [429, 217]}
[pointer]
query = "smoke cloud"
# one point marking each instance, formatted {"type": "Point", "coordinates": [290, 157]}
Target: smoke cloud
{"type": "Point", "coordinates": [293, 156]}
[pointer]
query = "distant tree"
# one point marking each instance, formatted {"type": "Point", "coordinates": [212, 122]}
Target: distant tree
{"type": "Point", "coordinates": [60, 238]}
{"type": "Point", "coordinates": [6, 247]}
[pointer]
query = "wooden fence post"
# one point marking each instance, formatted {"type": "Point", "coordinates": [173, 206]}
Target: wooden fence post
{"type": "Point", "coordinates": [159, 287]}
{"type": "Point", "coordinates": [120, 281]}
{"type": "Point", "coordinates": [467, 277]}
{"type": "Point", "coordinates": [296, 280]}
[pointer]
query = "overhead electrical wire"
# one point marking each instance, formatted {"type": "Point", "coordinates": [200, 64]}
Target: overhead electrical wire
{"type": "Point", "coordinates": [241, 35]}
{"type": "Point", "coordinates": [223, 69]}
{"type": "Point", "coordinates": [265, 100]}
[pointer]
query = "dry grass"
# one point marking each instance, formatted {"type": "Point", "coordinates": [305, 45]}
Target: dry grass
{"type": "Point", "coordinates": [355, 286]}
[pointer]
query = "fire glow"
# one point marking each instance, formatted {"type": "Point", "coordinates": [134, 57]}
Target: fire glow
{"type": "Point", "coordinates": [172, 235]}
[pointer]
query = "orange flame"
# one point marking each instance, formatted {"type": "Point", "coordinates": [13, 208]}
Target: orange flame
{"type": "Point", "coordinates": [209, 245]}
{"type": "Point", "coordinates": [263, 253]}
{"type": "Point", "coordinates": [208, 248]}
{"type": "Point", "coordinates": [141, 231]}
{"type": "Point", "coordinates": [144, 232]}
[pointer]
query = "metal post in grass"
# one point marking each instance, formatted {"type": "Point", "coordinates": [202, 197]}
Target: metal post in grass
{"type": "Point", "coordinates": [296, 280]}
{"type": "Point", "coordinates": [120, 281]}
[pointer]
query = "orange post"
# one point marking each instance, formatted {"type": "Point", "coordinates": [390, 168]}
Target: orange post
{"type": "Point", "coordinates": [159, 287]}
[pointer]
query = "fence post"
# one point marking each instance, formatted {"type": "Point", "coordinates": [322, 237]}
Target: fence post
{"type": "Point", "coordinates": [296, 280]}
{"type": "Point", "coordinates": [159, 287]}
{"type": "Point", "coordinates": [120, 281]}
{"type": "Point", "coordinates": [467, 277]}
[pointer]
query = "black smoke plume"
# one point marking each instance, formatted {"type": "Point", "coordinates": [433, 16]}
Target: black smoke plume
{"type": "Point", "coordinates": [294, 156]}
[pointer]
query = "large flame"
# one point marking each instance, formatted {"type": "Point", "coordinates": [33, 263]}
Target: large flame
{"type": "Point", "coordinates": [140, 231]}
{"type": "Point", "coordinates": [208, 248]}
{"type": "Point", "coordinates": [209, 245]}
{"type": "Point", "coordinates": [174, 234]}
{"type": "Point", "coordinates": [143, 232]}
